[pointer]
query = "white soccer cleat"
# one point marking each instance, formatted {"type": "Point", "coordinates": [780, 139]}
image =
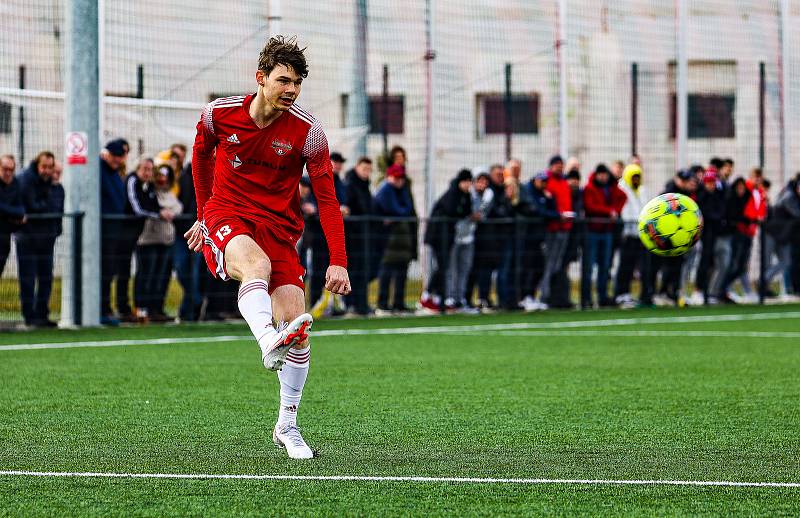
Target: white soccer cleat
{"type": "Point", "coordinates": [288, 436]}
{"type": "Point", "coordinates": [293, 333]}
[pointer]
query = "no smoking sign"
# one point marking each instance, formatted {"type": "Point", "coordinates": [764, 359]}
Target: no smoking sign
{"type": "Point", "coordinates": [77, 147]}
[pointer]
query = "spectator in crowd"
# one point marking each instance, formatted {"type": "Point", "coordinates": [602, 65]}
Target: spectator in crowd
{"type": "Point", "coordinates": [358, 233]}
{"type": "Point", "coordinates": [603, 202]}
{"type": "Point", "coordinates": [783, 236]}
{"type": "Point", "coordinates": [189, 267]}
{"type": "Point", "coordinates": [723, 233]}
{"type": "Point", "coordinates": [509, 273]}
{"type": "Point", "coordinates": [573, 164]}
{"type": "Point", "coordinates": [12, 211]}
{"type": "Point", "coordinates": [177, 158]}
{"type": "Point", "coordinates": [557, 235]}
{"type": "Point", "coordinates": [142, 204]}
{"type": "Point", "coordinates": [539, 208]}
{"type": "Point", "coordinates": [560, 283]}
{"type": "Point", "coordinates": [756, 184]}
{"type": "Point", "coordinates": [36, 239]}
{"type": "Point", "coordinates": [497, 179]}
{"type": "Point", "coordinates": [454, 204]}
{"type": "Point", "coordinates": [514, 170]}
{"type": "Point", "coordinates": [397, 156]}
{"type": "Point", "coordinates": [153, 258]}
{"type": "Point", "coordinates": [632, 254]}
{"type": "Point", "coordinates": [711, 200]}
{"type": "Point", "coordinates": [726, 169]}
{"type": "Point", "coordinates": [308, 207]}
{"type": "Point", "coordinates": [398, 247]}
{"type": "Point", "coordinates": [462, 254]}
{"type": "Point", "coordinates": [112, 207]}
{"type": "Point", "coordinates": [618, 171]}
{"type": "Point", "coordinates": [319, 246]}
{"type": "Point", "coordinates": [743, 215]}
{"type": "Point", "coordinates": [491, 236]}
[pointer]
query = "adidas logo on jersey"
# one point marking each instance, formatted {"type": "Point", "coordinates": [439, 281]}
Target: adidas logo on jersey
{"type": "Point", "coordinates": [236, 162]}
{"type": "Point", "coordinates": [233, 139]}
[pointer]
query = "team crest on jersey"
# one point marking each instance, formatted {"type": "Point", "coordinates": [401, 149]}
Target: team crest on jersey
{"type": "Point", "coordinates": [281, 147]}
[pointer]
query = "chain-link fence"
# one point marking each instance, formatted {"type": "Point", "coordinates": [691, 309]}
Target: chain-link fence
{"type": "Point", "coordinates": [456, 83]}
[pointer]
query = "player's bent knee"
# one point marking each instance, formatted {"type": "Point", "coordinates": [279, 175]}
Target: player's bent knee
{"type": "Point", "coordinates": [260, 268]}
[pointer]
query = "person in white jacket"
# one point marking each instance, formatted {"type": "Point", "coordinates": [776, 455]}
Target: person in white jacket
{"type": "Point", "coordinates": [631, 252]}
{"type": "Point", "coordinates": [463, 251]}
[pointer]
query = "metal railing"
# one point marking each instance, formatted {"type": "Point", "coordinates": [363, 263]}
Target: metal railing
{"type": "Point", "coordinates": [392, 261]}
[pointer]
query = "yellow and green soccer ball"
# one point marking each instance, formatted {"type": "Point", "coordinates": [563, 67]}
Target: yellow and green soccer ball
{"type": "Point", "coordinates": [670, 224]}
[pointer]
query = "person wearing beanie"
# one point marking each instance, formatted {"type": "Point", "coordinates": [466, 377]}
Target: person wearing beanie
{"type": "Point", "coordinates": [603, 202]}
{"type": "Point", "coordinates": [632, 253]}
{"type": "Point", "coordinates": [112, 203]}
{"type": "Point", "coordinates": [454, 204]}
{"type": "Point", "coordinates": [711, 200]}
{"type": "Point", "coordinates": [558, 230]}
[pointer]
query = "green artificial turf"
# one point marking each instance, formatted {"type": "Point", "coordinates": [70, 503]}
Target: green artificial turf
{"type": "Point", "coordinates": [459, 404]}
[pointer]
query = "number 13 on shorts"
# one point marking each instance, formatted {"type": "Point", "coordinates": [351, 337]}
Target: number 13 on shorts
{"type": "Point", "coordinates": [223, 231]}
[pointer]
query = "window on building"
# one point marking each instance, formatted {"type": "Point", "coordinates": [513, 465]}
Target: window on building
{"type": "Point", "coordinates": [492, 110]}
{"type": "Point", "coordinates": [389, 112]}
{"type": "Point", "coordinates": [392, 111]}
{"type": "Point", "coordinates": [710, 116]}
{"type": "Point", "coordinates": [5, 118]}
{"type": "Point", "coordinates": [711, 99]}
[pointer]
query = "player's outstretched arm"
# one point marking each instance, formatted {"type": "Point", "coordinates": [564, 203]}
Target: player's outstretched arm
{"type": "Point", "coordinates": [337, 280]}
{"type": "Point", "coordinates": [194, 237]}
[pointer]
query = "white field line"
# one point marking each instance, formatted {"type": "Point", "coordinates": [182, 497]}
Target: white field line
{"type": "Point", "coordinates": [116, 343]}
{"type": "Point", "coordinates": [433, 330]}
{"type": "Point", "coordinates": [655, 334]}
{"type": "Point", "coordinates": [358, 478]}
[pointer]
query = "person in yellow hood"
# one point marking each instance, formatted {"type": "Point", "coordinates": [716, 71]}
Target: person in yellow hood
{"type": "Point", "coordinates": [632, 252]}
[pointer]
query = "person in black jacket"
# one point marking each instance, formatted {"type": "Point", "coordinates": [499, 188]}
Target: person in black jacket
{"type": "Point", "coordinates": [357, 233]}
{"type": "Point", "coordinates": [141, 203]}
{"type": "Point", "coordinates": [36, 240]}
{"type": "Point", "coordinates": [711, 200]}
{"type": "Point", "coordinates": [539, 208]}
{"type": "Point", "coordinates": [454, 204]}
{"type": "Point", "coordinates": [112, 207]}
{"type": "Point", "coordinates": [316, 238]}
{"type": "Point", "coordinates": [12, 212]}
{"type": "Point", "coordinates": [188, 265]}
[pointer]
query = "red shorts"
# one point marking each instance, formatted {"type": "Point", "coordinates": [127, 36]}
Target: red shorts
{"type": "Point", "coordinates": [220, 228]}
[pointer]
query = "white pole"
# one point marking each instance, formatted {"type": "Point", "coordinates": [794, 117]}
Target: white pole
{"type": "Point", "coordinates": [785, 118]}
{"type": "Point", "coordinates": [430, 55]}
{"type": "Point", "coordinates": [563, 122]}
{"type": "Point", "coordinates": [275, 18]}
{"type": "Point", "coordinates": [358, 104]}
{"type": "Point", "coordinates": [82, 181]}
{"type": "Point", "coordinates": [681, 88]}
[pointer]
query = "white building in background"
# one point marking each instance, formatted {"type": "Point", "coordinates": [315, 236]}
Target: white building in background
{"type": "Point", "coordinates": [193, 50]}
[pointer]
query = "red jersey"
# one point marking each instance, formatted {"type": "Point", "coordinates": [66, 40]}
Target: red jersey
{"type": "Point", "coordinates": [256, 172]}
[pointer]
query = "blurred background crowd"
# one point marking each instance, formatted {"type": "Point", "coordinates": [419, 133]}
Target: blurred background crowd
{"type": "Point", "coordinates": [502, 236]}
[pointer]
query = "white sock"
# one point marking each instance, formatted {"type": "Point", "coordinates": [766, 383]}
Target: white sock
{"type": "Point", "coordinates": [256, 308]}
{"type": "Point", "coordinates": [292, 378]}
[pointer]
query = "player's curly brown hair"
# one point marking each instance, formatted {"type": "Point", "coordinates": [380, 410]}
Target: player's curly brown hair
{"type": "Point", "coordinates": [283, 51]}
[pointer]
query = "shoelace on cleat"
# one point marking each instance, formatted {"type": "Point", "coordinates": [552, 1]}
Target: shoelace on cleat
{"type": "Point", "coordinates": [293, 434]}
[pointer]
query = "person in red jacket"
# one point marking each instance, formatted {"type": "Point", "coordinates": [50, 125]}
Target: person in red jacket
{"type": "Point", "coordinates": [751, 199]}
{"type": "Point", "coordinates": [602, 204]}
{"type": "Point", "coordinates": [557, 237]}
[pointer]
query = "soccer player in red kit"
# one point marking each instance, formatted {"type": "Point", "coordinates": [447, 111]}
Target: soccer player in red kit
{"type": "Point", "coordinates": [249, 220]}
